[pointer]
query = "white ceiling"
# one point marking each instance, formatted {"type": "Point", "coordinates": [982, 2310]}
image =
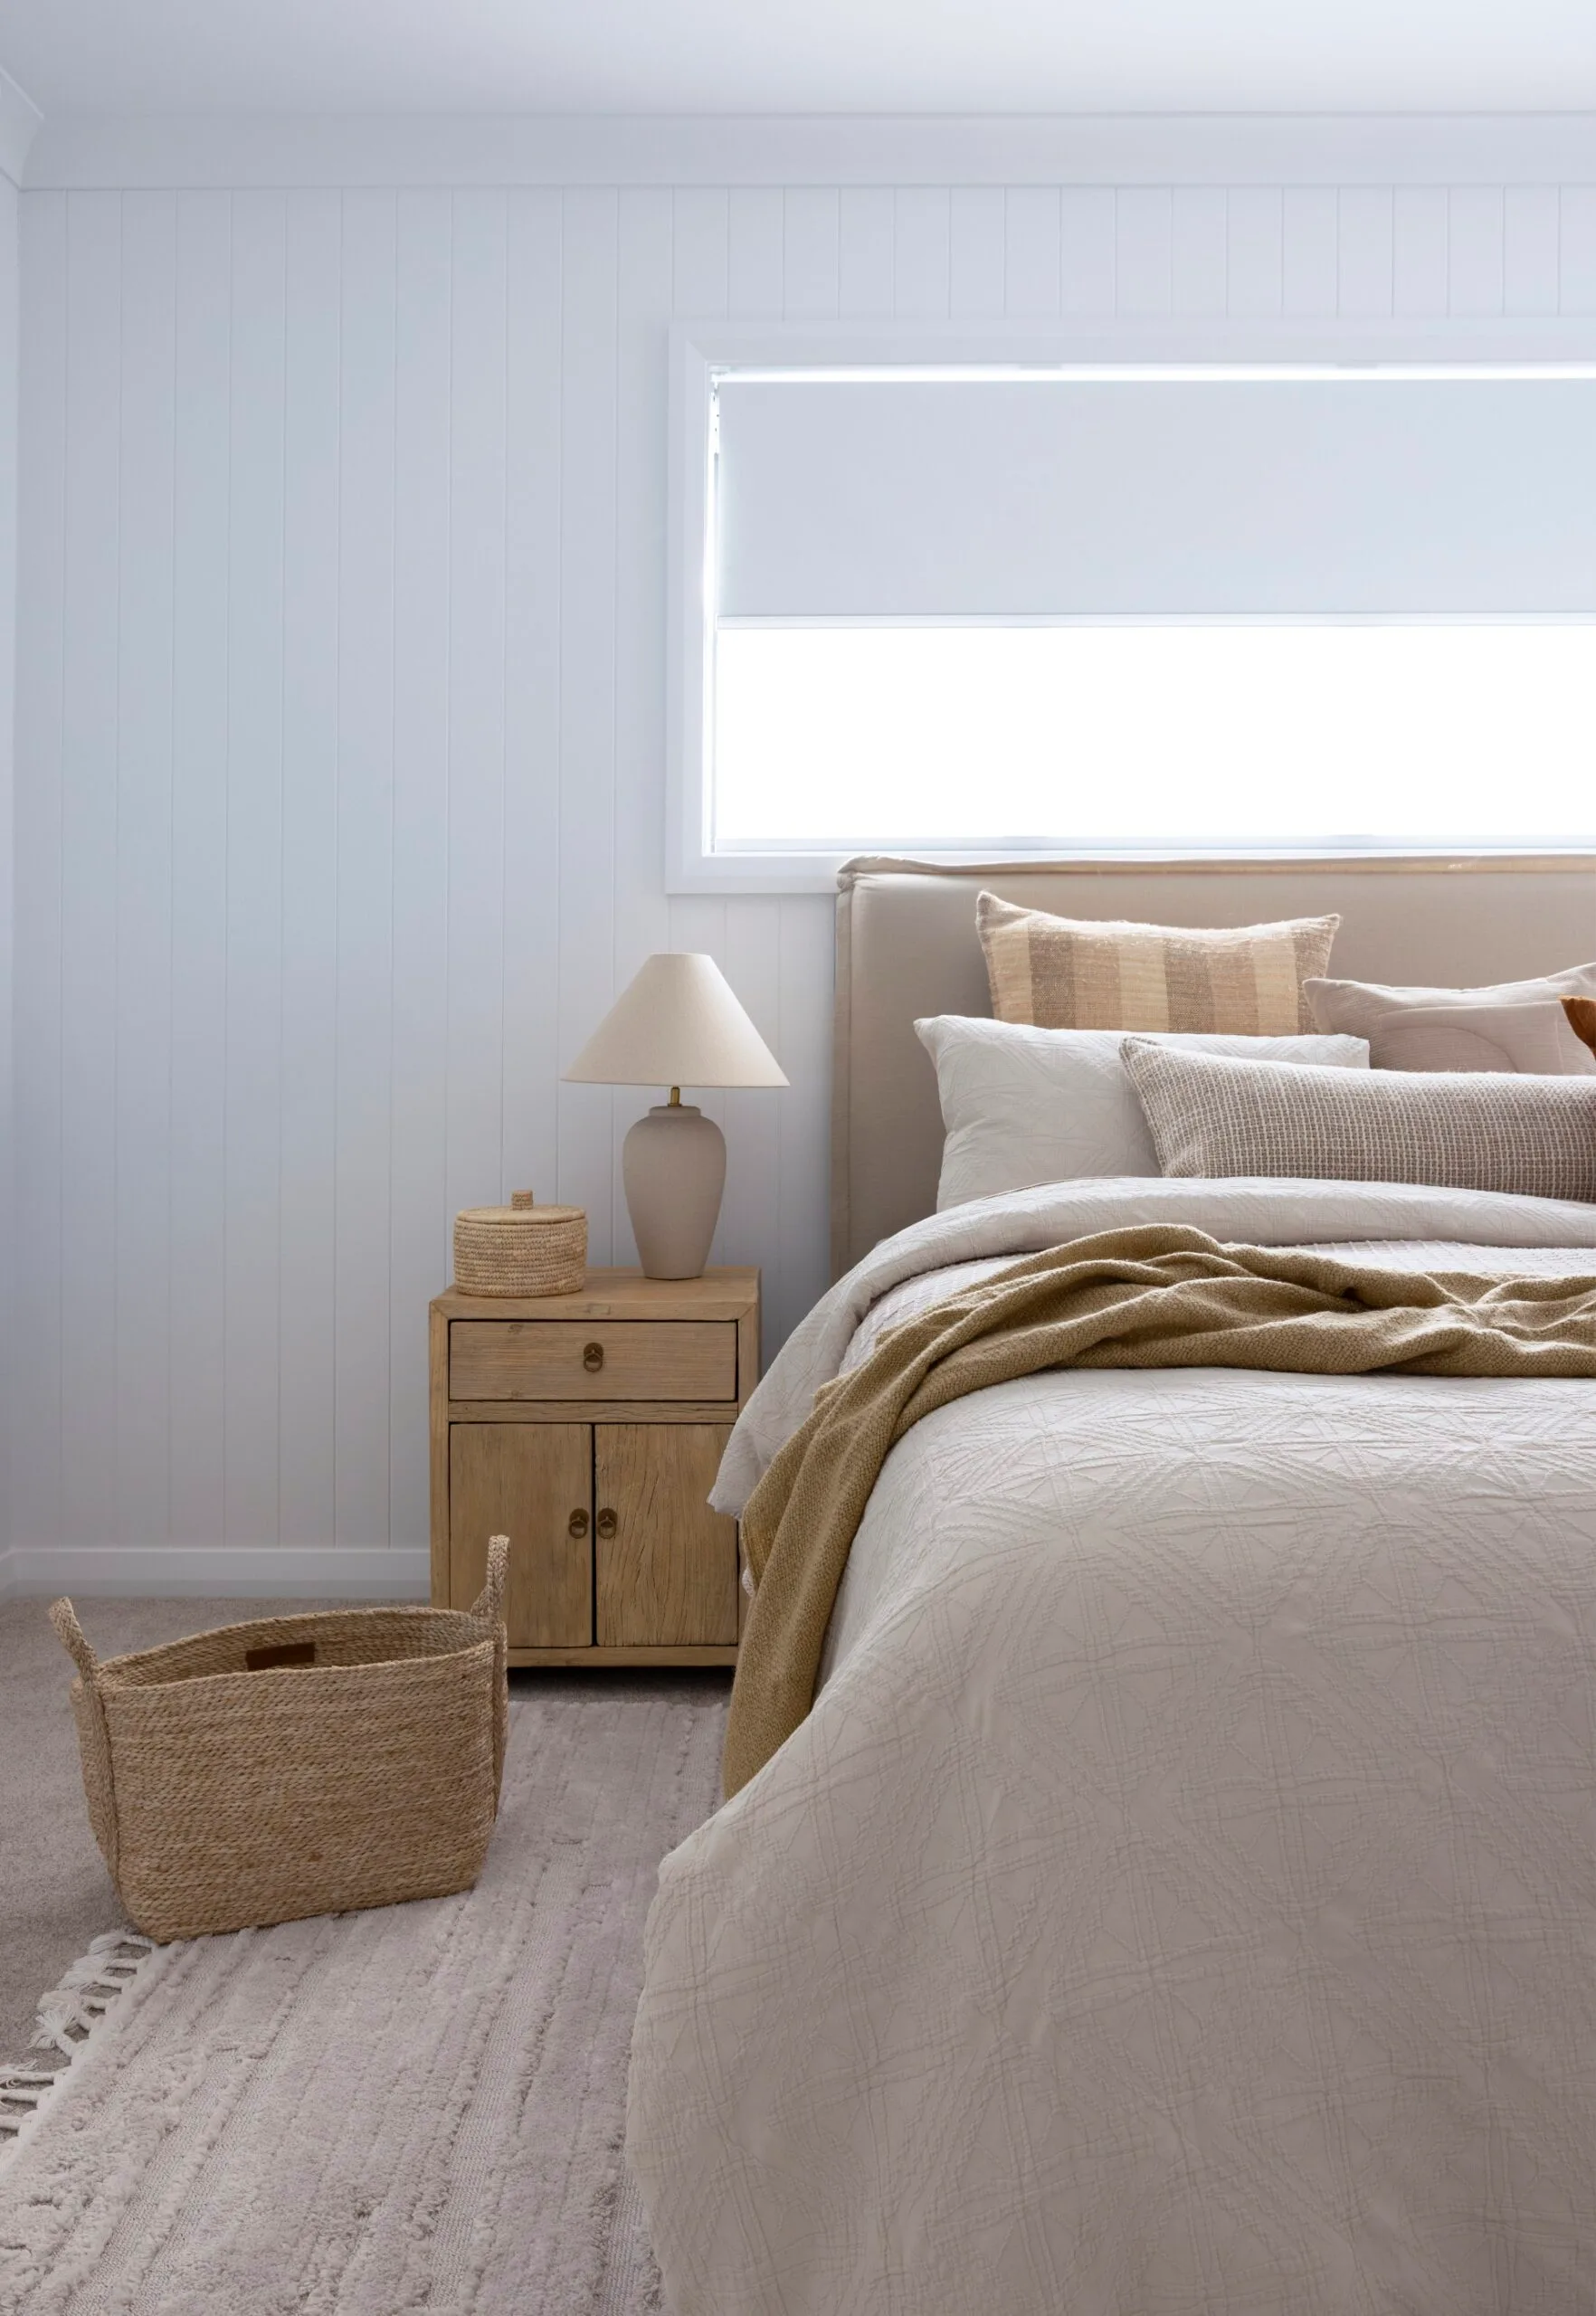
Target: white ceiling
{"type": "Point", "coordinates": [802, 56]}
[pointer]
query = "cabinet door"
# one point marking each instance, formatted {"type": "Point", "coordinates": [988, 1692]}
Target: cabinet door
{"type": "Point", "coordinates": [533, 1482]}
{"type": "Point", "coordinates": [667, 1566]}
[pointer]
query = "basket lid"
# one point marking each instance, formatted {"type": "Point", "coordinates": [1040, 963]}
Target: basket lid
{"type": "Point", "coordinates": [522, 1208]}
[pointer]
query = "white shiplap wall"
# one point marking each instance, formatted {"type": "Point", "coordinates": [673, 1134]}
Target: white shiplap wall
{"type": "Point", "coordinates": [340, 766]}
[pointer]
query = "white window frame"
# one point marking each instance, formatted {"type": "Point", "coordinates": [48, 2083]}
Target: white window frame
{"type": "Point", "coordinates": [699, 351]}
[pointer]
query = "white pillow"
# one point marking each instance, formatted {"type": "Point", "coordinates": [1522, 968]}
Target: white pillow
{"type": "Point", "coordinates": [1024, 1106]}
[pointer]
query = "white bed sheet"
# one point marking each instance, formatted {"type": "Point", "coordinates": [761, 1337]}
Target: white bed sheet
{"type": "Point", "coordinates": [1180, 1899]}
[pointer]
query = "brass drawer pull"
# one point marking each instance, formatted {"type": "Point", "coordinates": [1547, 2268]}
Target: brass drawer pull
{"type": "Point", "coordinates": [592, 1357]}
{"type": "Point", "coordinates": [607, 1523]}
{"type": "Point", "coordinates": [577, 1524]}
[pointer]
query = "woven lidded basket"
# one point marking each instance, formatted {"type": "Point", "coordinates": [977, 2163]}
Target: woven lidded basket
{"type": "Point", "coordinates": [296, 1765]}
{"type": "Point", "coordinates": [522, 1248]}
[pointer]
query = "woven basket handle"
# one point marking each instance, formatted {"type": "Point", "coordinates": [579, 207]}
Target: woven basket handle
{"type": "Point", "coordinates": [487, 1608]}
{"type": "Point", "coordinates": [94, 1737]}
{"type": "Point", "coordinates": [72, 1637]}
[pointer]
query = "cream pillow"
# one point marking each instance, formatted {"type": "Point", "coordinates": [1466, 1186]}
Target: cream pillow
{"type": "Point", "coordinates": [1518, 1025]}
{"type": "Point", "coordinates": [1024, 1106]}
{"type": "Point", "coordinates": [1064, 972]}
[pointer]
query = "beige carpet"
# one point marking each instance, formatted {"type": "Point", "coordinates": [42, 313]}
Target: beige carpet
{"type": "Point", "coordinates": [419, 2107]}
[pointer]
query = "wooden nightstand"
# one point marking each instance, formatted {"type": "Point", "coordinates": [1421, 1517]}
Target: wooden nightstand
{"type": "Point", "coordinates": [587, 1428]}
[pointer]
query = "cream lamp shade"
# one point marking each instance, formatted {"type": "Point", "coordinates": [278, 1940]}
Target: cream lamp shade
{"type": "Point", "coordinates": [676, 1023]}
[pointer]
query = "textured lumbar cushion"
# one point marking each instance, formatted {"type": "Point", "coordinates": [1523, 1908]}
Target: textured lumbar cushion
{"type": "Point", "coordinates": [1517, 1025]}
{"type": "Point", "coordinates": [1024, 1106]}
{"type": "Point", "coordinates": [1065, 972]}
{"type": "Point", "coordinates": [1212, 1115]}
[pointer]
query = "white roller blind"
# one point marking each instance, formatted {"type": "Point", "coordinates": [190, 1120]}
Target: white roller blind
{"type": "Point", "coordinates": [998, 498]}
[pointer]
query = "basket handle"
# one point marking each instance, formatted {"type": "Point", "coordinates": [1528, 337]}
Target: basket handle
{"type": "Point", "coordinates": [72, 1637]}
{"type": "Point", "coordinates": [487, 1608]}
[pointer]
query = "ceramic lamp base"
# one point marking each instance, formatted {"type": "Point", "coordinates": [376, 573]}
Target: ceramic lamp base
{"type": "Point", "coordinates": [673, 1164]}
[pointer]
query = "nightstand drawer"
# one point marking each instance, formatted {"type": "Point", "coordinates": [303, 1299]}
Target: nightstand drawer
{"type": "Point", "coordinates": [578, 1359]}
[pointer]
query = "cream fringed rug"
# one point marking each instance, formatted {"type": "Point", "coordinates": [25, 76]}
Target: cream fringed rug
{"type": "Point", "coordinates": [415, 2108]}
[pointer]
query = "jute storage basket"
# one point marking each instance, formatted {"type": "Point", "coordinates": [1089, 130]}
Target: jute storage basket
{"type": "Point", "coordinates": [522, 1248]}
{"type": "Point", "coordinates": [296, 1765]}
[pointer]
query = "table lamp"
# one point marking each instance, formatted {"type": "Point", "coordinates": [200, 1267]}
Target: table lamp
{"type": "Point", "coordinates": [676, 1023]}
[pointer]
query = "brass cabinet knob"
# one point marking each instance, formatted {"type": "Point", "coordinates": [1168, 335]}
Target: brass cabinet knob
{"type": "Point", "coordinates": [577, 1523]}
{"type": "Point", "coordinates": [592, 1357]}
{"type": "Point", "coordinates": [607, 1523]}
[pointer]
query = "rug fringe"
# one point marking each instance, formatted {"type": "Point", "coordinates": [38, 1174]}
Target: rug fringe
{"type": "Point", "coordinates": [67, 2017]}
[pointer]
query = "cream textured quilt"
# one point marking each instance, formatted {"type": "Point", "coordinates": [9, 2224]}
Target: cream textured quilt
{"type": "Point", "coordinates": [1180, 1899]}
{"type": "Point", "coordinates": [1156, 1296]}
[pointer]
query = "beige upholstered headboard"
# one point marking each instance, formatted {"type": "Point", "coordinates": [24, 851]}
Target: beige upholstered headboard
{"type": "Point", "coordinates": [907, 947]}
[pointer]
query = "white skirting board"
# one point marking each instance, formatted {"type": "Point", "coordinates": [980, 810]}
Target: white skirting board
{"type": "Point", "coordinates": [249, 1572]}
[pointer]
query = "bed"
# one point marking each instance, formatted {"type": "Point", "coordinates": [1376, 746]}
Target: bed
{"type": "Point", "coordinates": [1180, 1899]}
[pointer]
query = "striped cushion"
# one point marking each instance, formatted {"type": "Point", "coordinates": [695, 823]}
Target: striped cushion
{"type": "Point", "coordinates": [1214, 1116]}
{"type": "Point", "coordinates": [1062, 973]}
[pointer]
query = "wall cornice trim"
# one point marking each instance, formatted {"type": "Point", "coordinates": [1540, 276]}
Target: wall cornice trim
{"type": "Point", "coordinates": [242, 151]}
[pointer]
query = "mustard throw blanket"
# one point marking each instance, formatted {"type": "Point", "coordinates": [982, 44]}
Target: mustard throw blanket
{"type": "Point", "coordinates": [1158, 1296]}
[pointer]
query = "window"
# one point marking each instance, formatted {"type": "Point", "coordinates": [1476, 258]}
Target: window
{"type": "Point", "coordinates": [1129, 738]}
{"type": "Point", "coordinates": [1164, 610]}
